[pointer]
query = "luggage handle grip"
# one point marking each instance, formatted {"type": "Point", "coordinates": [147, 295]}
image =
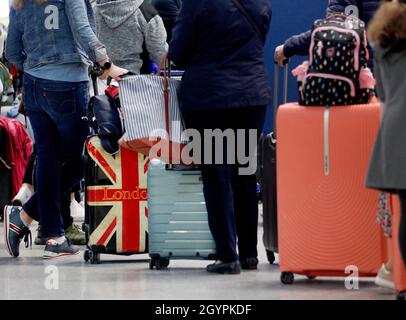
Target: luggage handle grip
{"type": "Point", "coordinates": [276, 90]}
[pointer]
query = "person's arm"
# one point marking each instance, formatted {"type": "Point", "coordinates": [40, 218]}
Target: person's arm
{"type": "Point", "coordinates": [14, 43]}
{"type": "Point", "coordinates": [298, 45]}
{"type": "Point", "coordinates": [79, 23]}
{"type": "Point", "coordinates": [155, 39]}
{"type": "Point", "coordinates": [183, 33]}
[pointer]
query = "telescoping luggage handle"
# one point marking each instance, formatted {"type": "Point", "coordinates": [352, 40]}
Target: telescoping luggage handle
{"type": "Point", "coordinates": [276, 91]}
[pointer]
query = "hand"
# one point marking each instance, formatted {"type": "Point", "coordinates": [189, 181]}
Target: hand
{"type": "Point", "coordinates": [280, 56]}
{"type": "Point", "coordinates": [114, 72]}
{"type": "Point", "coordinates": [162, 65]}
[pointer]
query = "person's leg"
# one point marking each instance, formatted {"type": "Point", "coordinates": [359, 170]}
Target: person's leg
{"type": "Point", "coordinates": [27, 188]}
{"type": "Point", "coordinates": [219, 201]}
{"type": "Point", "coordinates": [44, 205]}
{"type": "Point", "coordinates": [66, 105]}
{"type": "Point", "coordinates": [402, 226]}
{"type": "Point", "coordinates": [218, 193]}
{"type": "Point", "coordinates": [244, 189]}
{"type": "Point", "coordinates": [65, 210]}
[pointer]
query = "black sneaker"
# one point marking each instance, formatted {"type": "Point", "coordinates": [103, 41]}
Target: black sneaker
{"type": "Point", "coordinates": [54, 250]}
{"type": "Point", "coordinates": [15, 230]}
{"type": "Point", "coordinates": [249, 264]}
{"type": "Point", "coordinates": [225, 268]}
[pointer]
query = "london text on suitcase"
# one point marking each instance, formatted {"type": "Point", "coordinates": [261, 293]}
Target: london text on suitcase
{"type": "Point", "coordinates": [326, 216]}
{"type": "Point", "coordinates": [178, 222]}
{"type": "Point", "coordinates": [116, 202]}
{"type": "Point", "coordinates": [399, 269]}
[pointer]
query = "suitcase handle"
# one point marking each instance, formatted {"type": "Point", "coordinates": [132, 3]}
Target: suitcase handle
{"type": "Point", "coordinates": [276, 90]}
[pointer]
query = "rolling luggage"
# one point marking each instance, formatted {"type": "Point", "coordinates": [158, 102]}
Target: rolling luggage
{"type": "Point", "coordinates": [116, 202]}
{"type": "Point", "coordinates": [399, 269]}
{"type": "Point", "coordinates": [326, 216]}
{"type": "Point", "coordinates": [269, 203]}
{"type": "Point", "coordinates": [178, 226]}
{"type": "Point", "coordinates": [115, 191]}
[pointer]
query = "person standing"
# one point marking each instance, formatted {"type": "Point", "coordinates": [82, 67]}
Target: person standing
{"type": "Point", "coordinates": [221, 45]}
{"type": "Point", "coordinates": [168, 10]}
{"type": "Point", "coordinates": [300, 44]}
{"type": "Point", "coordinates": [53, 44]}
{"type": "Point", "coordinates": [132, 32]}
{"type": "Point", "coordinates": [387, 169]}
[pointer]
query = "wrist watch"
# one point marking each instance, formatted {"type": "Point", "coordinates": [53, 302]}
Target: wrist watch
{"type": "Point", "coordinates": [107, 65]}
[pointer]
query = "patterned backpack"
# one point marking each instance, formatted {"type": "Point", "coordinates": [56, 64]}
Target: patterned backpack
{"type": "Point", "coordinates": [338, 58]}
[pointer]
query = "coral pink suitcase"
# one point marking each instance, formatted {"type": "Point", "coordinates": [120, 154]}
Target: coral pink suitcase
{"type": "Point", "coordinates": [326, 216]}
{"type": "Point", "coordinates": [399, 270]}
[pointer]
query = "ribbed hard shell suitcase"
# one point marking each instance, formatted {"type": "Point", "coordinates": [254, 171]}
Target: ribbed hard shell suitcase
{"type": "Point", "coordinates": [116, 202]}
{"type": "Point", "coordinates": [399, 269]}
{"type": "Point", "coordinates": [326, 216]}
{"type": "Point", "coordinates": [178, 225]}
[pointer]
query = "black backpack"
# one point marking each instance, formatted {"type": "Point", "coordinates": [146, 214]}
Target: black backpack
{"type": "Point", "coordinates": [338, 53]}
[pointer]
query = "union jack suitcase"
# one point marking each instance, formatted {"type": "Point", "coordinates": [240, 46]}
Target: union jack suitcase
{"type": "Point", "coordinates": [178, 225]}
{"type": "Point", "coordinates": [116, 202]}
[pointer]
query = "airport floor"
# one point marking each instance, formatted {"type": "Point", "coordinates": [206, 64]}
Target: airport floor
{"type": "Point", "coordinates": [29, 277]}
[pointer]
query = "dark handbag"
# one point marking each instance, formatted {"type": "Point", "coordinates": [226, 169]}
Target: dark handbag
{"type": "Point", "coordinates": [104, 119]}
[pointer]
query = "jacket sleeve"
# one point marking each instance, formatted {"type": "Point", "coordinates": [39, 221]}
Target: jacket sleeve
{"type": "Point", "coordinates": [155, 39]}
{"type": "Point", "coordinates": [82, 31]}
{"type": "Point", "coordinates": [14, 44]}
{"type": "Point", "coordinates": [183, 33]}
{"type": "Point", "coordinates": [298, 45]}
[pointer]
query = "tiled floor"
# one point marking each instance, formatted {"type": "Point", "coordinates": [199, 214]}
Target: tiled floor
{"type": "Point", "coordinates": [29, 277]}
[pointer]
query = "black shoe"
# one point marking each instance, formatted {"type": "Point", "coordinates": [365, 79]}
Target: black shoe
{"type": "Point", "coordinates": [249, 264]}
{"type": "Point", "coordinates": [15, 230]}
{"type": "Point", "coordinates": [225, 268]}
{"type": "Point", "coordinates": [54, 250]}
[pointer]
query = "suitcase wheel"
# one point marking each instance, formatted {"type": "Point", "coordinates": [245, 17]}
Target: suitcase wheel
{"type": "Point", "coordinates": [91, 256]}
{"type": "Point", "coordinates": [287, 278]}
{"type": "Point", "coordinates": [271, 256]}
{"type": "Point", "coordinates": [401, 296]}
{"type": "Point", "coordinates": [159, 263]}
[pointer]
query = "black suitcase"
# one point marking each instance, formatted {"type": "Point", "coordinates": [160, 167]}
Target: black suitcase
{"type": "Point", "coordinates": [5, 175]}
{"type": "Point", "coordinates": [269, 192]}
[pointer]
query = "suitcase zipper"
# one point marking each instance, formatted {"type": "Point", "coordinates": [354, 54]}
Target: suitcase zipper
{"type": "Point", "coordinates": [326, 142]}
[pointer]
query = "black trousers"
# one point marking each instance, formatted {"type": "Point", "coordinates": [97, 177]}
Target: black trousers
{"type": "Point", "coordinates": [402, 227]}
{"type": "Point", "coordinates": [230, 196]}
{"type": "Point", "coordinates": [65, 198]}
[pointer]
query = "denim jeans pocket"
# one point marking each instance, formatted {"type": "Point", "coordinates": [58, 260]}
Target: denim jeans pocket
{"type": "Point", "coordinates": [61, 101]}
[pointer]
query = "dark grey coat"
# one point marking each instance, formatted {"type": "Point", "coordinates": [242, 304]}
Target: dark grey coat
{"type": "Point", "coordinates": [387, 169]}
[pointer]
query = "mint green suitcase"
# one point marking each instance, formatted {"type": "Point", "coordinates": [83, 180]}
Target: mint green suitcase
{"type": "Point", "coordinates": [177, 216]}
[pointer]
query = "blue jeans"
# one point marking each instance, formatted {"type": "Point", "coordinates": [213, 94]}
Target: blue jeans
{"type": "Point", "coordinates": [55, 110]}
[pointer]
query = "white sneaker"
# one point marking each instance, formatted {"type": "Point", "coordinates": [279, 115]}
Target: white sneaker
{"type": "Point", "coordinates": [23, 195]}
{"type": "Point", "coordinates": [76, 210]}
{"type": "Point", "coordinates": [385, 279]}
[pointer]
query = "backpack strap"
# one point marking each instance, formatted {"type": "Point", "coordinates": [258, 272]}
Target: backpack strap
{"type": "Point", "coordinates": [250, 19]}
